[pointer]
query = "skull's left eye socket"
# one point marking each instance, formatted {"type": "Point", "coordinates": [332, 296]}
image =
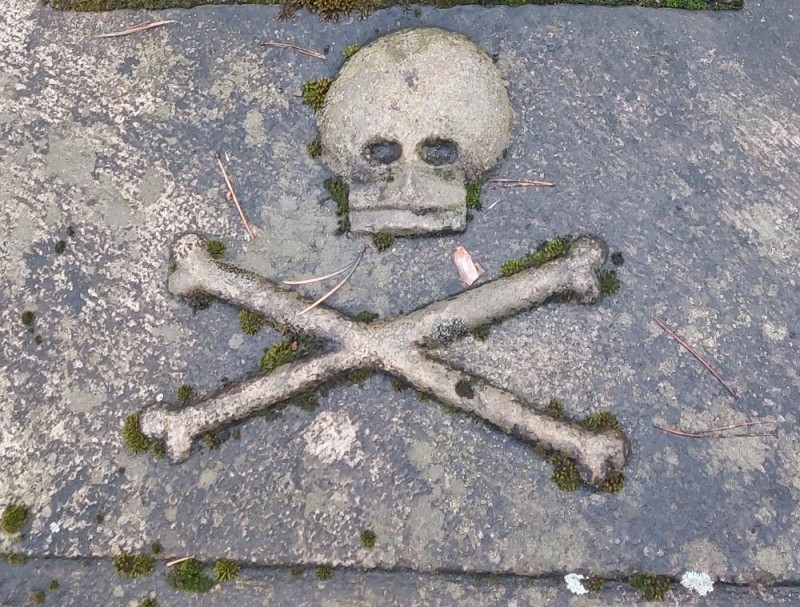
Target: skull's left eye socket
{"type": "Point", "coordinates": [383, 152]}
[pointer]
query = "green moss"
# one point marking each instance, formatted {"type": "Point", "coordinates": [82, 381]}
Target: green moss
{"type": "Point", "coordinates": [314, 92]}
{"type": "Point", "coordinates": [323, 572]}
{"type": "Point", "coordinates": [307, 401]}
{"type": "Point", "coordinates": [609, 282]}
{"type": "Point", "coordinates": [60, 247]}
{"type": "Point", "coordinates": [38, 340]}
{"type": "Point", "coordinates": [349, 51]}
{"type": "Point", "coordinates": [600, 421]}
{"type": "Point", "coordinates": [132, 435]}
{"type": "Point", "coordinates": [614, 483]}
{"type": "Point", "coordinates": [398, 385]}
{"type": "Point", "coordinates": [215, 248]}
{"type": "Point", "coordinates": [653, 587]}
{"type": "Point", "coordinates": [185, 395]}
{"type": "Point", "coordinates": [52, 586]}
{"type": "Point", "coordinates": [367, 537]}
{"type": "Point", "coordinates": [134, 565]}
{"type": "Point", "coordinates": [555, 408]}
{"type": "Point", "coordinates": [367, 316]}
{"type": "Point", "coordinates": [251, 322]}
{"type": "Point", "coordinates": [277, 354]}
{"type": "Point", "coordinates": [565, 472]}
{"type": "Point", "coordinates": [16, 559]}
{"type": "Point", "coordinates": [314, 148]}
{"type": "Point", "coordinates": [148, 602]}
{"type": "Point", "coordinates": [99, 518]}
{"type": "Point", "coordinates": [546, 251]}
{"type": "Point", "coordinates": [212, 441]}
{"type": "Point", "coordinates": [226, 570]}
{"type": "Point", "coordinates": [14, 518]}
{"type": "Point", "coordinates": [617, 258]}
{"type": "Point", "coordinates": [188, 576]}
{"type": "Point", "coordinates": [423, 396]}
{"type": "Point", "coordinates": [359, 376]}
{"type": "Point", "coordinates": [158, 449]}
{"type": "Point", "coordinates": [481, 333]}
{"type": "Point", "coordinates": [38, 597]}
{"type": "Point", "coordinates": [339, 192]}
{"type": "Point", "coordinates": [296, 570]}
{"type": "Point", "coordinates": [474, 196]}
{"type": "Point", "coordinates": [464, 388]}
{"type": "Point", "coordinates": [198, 300]}
{"type": "Point", "coordinates": [382, 241]}
{"type": "Point", "coordinates": [594, 583]}
{"type": "Point", "coordinates": [28, 317]}
{"type": "Point", "coordinates": [156, 548]}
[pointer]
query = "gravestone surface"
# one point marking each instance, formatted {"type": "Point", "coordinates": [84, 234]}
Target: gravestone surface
{"type": "Point", "coordinates": [670, 135]}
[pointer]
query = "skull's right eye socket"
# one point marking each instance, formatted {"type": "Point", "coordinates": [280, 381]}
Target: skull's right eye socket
{"type": "Point", "coordinates": [438, 151]}
{"type": "Point", "coordinates": [383, 152]}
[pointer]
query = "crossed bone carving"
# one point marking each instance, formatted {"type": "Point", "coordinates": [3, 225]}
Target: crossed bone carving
{"type": "Point", "coordinates": [397, 346]}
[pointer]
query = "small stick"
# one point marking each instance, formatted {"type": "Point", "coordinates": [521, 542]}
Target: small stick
{"type": "Point", "coordinates": [338, 286]}
{"type": "Point", "coordinates": [228, 183]}
{"type": "Point", "coordinates": [308, 281]}
{"type": "Point", "coordinates": [519, 183]}
{"type": "Point", "coordinates": [299, 49]}
{"type": "Point", "coordinates": [694, 353]}
{"type": "Point", "coordinates": [180, 560]}
{"type": "Point", "coordinates": [705, 433]}
{"type": "Point", "coordinates": [135, 29]}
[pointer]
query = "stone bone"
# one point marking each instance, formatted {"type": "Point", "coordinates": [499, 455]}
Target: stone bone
{"type": "Point", "coordinates": [410, 87]}
{"type": "Point", "coordinates": [396, 346]}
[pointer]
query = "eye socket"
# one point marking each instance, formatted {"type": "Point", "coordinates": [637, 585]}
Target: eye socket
{"type": "Point", "coordinates": [383, 152]}
{"type": "Point", "coordinates": [438, 151]}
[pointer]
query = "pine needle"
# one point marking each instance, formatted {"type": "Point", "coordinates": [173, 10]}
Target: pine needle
{"type": "Point", "coordinates": [338, 286]}
{"type": "Point", "coordinates": [299, 49]}
{"type": "Point", "coordinates": [308, 281]}
{"type": "Point", "coordinates": [708, 433]}
{"type": "Point", "coordinates": [524, 183]}
{"type": "Point", "coordinates": [135, 29]}
{"type": "Point", "coordinates": [232, 194]}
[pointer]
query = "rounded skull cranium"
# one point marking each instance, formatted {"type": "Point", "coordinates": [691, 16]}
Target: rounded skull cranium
{"type": "Point", "coordinates": [408, 121]}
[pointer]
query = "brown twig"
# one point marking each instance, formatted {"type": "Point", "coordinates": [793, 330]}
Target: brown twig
{"type": "Point", "coordinates": [228, 183]}
{"type": "Point", "coordinates": [135, 29]}
{"type": "Point", "coordinates": [294, 47]}
{"type": "Point", "coordinates": [338, 286]}
{"type": "Point", "coordinates": [510, 183]}
{"type": "Point", "coordinates": [706, 433]}
{"type": "Point", "coordinates": [694, 353]}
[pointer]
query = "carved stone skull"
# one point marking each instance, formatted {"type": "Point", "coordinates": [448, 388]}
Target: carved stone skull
{"type": "Point", "coordinates": [408, 121]}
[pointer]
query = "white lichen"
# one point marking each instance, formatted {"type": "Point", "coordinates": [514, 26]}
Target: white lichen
{"type": "Point", "coordinates": [700, 582]}
{"type": "Point", "coordinates": [574, 585]}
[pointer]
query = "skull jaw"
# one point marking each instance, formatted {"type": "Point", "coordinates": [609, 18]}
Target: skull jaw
{"type": "Point", "coordinates": [383, 208]}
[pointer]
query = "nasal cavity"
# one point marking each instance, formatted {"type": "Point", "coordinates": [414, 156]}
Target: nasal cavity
{"type": "Point", "coordinates": [382, 152]}
{"type": "Point", "coordinates": [438, 152]}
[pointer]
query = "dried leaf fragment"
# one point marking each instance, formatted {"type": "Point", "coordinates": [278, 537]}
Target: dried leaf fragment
{"type": "Point", "coordinates": [468, 270]}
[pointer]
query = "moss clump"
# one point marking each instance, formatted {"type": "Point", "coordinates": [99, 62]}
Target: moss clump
{"type": "Point", "coordinates": [188, 576]}
{"type": "Point", "coordinates": [15, 559]}
{"type": "Point", "coordinates": [158, 449]}
{"type": "Point", "coordinates": [614, 483]}
{"type": "Point", "coordinates": [148, 602]}
{"type": "Point", "coordinates": [359, 376]}
{"type": "Point", "coordinates": [314, 92]}
{"type": "Point", "coordinates": [52, 586]}
{"type": "Point", "coordinates": [398, 385]}
{"type": "Point", "coordinates": [464, 388]}
{"type": "Point", "coordinates": [198, 300]}
{"type": "Point", "coordinates": [251, 322]}
{"type": "Point", "coordinates": [28, 318]}
{"type": "Point", "coordinates": [277, 354]}
{"type": "Point", "coordinates": [350, 50]}
{"type": "Point", "coordinates": [339, 192]}
{"type": "Point", "coordinates": [367, 537]}
{"type": "Point", "coordinates": [609, 282]}
{"type": "Point", "coordinates": [296, 570]}
{"type": "Point", "coordinates": [617, 258]}
{"type": "Point", "coordinates": [38, 597]}
{"type": "Point", "coordinates": [132, 435]}
{"type": "Point", "coordinates": [481, 333]}
{"type": "Point", "coordinates": [134, 565]}
{"type": "Point", "coordinates": [99, 518]}
{"type": "Point", "coordinates": [382, 241]}
{"type": "Point", "coordinates": [323, 572]}
{"type": "Point", "coordinates": [474, 196]}
{"type": "Point", "coordinates": [307, 401]}
{"type": "Point", "coordinates": [653, 587]}
{"type": "Point", "coordinates": [594, 583]}
{"type": "Point", "coordinates": [156, 548]}
{"type": "Point", "coordinates": [367, 316]}
{"type": "Point", "coordinates": [60, 247]}
{"type": "Point", "coordinates": [215, 248]}
{"type": "Point", "coordinates": [212, 441]}
{"type": "Point", "coordinates": [185, 395]}
{"type": "Point", "coordinates": [330, 10]}
{"type": "Point", "coordinates": [226, 570]}
{"type": "Point", "coordinates": [555, 408]}
{"type": "Point", "coordinates": [565, 472]}
{"type": "Point", "coordinates": [600, 421]}
{"type": "Point", "coordinates": [423, 396]}
{"type": "Point", "coordinates": [314, 148]}
{"type": "Point", "coordinates": [14, 518]}
{"type": "Point", "coordinates": [546, 251]}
